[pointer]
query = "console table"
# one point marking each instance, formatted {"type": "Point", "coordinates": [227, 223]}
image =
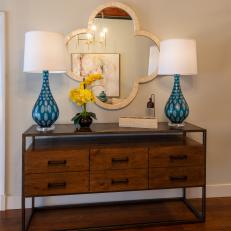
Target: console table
{"type": "Point", "coordinates": [107, 158]}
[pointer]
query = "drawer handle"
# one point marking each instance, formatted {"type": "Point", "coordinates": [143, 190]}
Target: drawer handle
{"type": "Point", "coordinates": [178, 157]}
{"type": "Point", "coordinates": [119, 160]}
{"type": "Point", "coordinates": [54, 163]}
{"type": "Point", "coordinates": [57, 185]}
{"type": "Point", "coordinates": [178, 178]}
{"type": "Point", "coordinates": [119, 181]}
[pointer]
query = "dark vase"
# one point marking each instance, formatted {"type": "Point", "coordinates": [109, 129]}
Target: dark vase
{"type": "Point", "coordinates": [85, 122]}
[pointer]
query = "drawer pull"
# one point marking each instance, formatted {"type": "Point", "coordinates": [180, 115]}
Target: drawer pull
{"type": "Point", "coordinates": [57, 185]}
{"type": "Point", "coordinates": [178, 157]}
{"type": "Point", "coordinates": [178, 178]}
{"type": "Point", "coordinates": [55, 163]}
{"type": "Point", "coordinates": [119, 181]}
{"type": "Point", "coordinates": [119, 160]}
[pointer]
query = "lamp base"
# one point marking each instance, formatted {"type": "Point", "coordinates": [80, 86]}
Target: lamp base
{"type": "Point", "coordinates": [173, 125]}
{"type": "Point", "coordinates": [45, 111]}
{"type": "Point", "coordinates": [40, 129]}
{"type": "Point", "coordinates": [176, 109]}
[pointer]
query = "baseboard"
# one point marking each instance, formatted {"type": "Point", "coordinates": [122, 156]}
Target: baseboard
{"type": "Point", "coordinates": [2, 202]}
{"type": "Point", "coordinates": [218, 190]}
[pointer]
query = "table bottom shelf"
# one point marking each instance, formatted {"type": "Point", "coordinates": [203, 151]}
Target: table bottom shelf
{"type": "Point", "coordinates": [113, 215]}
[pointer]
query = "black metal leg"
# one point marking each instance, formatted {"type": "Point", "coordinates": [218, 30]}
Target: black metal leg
{"type": "Point", "coordinates": [204, 188]}
{"type": "Point", "coordinates": [32, 213]}
{"type": "Point", "coordinates": [202, 214]}
{"type": "Point", "coordinates": [203, 203]}
{"type": "Point", "coordinates": [23, 214]}
{"type": "Point", "coordinates": [26, 225]}
{"type": "Point", "coordinates": [184, 193]}
{"type": "Point", "coordinates": [23, 227]}
{"type": "Point", "coordinates": [33, 204]}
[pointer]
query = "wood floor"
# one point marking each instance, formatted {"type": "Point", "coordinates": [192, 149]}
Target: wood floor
{"type": "Point", "coordinates": [218, 217]}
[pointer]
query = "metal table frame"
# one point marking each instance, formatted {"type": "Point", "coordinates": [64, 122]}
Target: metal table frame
{"type": "Point", "coordinates": [200, 215]}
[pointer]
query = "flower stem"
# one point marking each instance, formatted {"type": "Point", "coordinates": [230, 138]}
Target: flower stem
{"type": "Point", "coordinates": [84, 110]}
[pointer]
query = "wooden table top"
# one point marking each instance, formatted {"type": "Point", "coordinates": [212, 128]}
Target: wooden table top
{"type": "Point", "coordinates": [113, 129]}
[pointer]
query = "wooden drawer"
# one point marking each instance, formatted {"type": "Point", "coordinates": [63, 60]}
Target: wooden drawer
{"type": "Point", "coordinates": [176, 156]}
{"type": "Point", "coordinates": [175, 177]}
{"type": "Point", "coordinates": [57, 161]}
{"type": "Point", "coordinates": [118, 180]}
{"type": "Point", "coordinates": [56, 183]}
{"type": "Point", "coordinates": [118, 158]}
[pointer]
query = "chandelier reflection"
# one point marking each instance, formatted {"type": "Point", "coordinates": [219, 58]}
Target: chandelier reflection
{"type": "Point", "coordinates": [93, 38]}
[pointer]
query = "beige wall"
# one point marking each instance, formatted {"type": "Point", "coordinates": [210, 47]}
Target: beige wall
{"type": "Point", "coordinates": [208, 94]}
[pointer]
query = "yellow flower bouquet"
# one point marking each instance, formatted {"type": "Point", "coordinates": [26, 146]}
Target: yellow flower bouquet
{"type": "Point", "coordinates": [81, 96]}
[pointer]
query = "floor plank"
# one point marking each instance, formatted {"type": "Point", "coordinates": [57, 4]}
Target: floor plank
{"type": "Point", "coordinates": [218, 217]}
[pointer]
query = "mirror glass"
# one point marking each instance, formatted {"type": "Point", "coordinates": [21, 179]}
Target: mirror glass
{"type": "Point", "coordinates": [110, 47]}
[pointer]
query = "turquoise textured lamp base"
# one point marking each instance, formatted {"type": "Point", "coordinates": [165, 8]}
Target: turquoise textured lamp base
{"type": "Point", "coordinates": [176, 109]}
{"type": "Point", "coordinates": [45, 111]}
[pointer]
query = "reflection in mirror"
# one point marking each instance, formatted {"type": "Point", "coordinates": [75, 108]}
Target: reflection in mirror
{"type": "Point", "coordinates": [110, 47]}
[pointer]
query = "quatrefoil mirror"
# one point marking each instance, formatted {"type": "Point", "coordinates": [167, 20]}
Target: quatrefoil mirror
{"type": "Point", "coordinates": [115, 45]}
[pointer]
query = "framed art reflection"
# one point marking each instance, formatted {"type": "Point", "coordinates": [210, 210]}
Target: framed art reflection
{"type": "Point", "coordinates": [106, 64]}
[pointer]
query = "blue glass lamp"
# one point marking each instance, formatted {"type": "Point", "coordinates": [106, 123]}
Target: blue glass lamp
{"type": "Point", "coordinates": [178, 58]}
{"type": "Point", "coordinates": [44, 53]}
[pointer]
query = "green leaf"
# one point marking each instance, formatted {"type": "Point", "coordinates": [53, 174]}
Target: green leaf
{"type": "Point", "coordinates": [76, 117]}
{"type": "Point", "coordinates": [76, 121]}
{"type": "Point", "coordinates": [93, 115]}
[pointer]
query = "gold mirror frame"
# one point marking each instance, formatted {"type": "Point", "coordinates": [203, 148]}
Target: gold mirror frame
{"type": "Point", "coordinates": [137, 32]}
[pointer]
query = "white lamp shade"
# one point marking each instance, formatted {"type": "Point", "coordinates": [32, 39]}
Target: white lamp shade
{"type": "Point", "coordinates": [178, 56]}
{"type": "Point", "coordinates": [44, 51]}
